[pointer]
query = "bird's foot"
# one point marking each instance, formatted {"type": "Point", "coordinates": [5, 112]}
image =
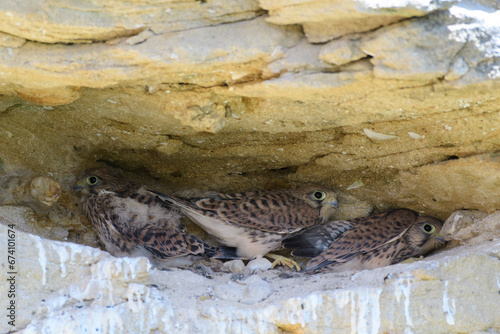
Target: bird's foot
{"type": "Point", "coordinates": [280, 260]}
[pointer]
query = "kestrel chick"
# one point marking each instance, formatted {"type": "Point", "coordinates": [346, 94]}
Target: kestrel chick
{"type": "Point", "coordinates": [132, 221]}
{"type": "Point", "coordinates": [369, 242]}
{"type": "Point", "coordinates": [256, 222]}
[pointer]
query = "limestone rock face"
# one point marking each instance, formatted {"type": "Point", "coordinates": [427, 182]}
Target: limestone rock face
{"type": "Point", "coordinates": [392, 103]}
{"type": "Point", "coordinates": [64, 287]}
{"type": "Point", "coordinates": [326, 20]}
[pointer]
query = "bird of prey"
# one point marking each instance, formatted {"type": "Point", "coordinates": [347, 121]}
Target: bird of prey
{"type": "Point", "coordinates": [131, 221]}
{"type": "Point", "coordinates": [256, 222]}
{"type": "Point", "coordinates": [366, 243]}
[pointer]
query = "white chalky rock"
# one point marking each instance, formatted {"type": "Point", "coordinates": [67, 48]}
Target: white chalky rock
{"type": "Point", "coordinates": [70, 288]}
{"type": "Point", "coordinates": [259, 264]}
{"type": "Point", "coordinates": [235, 266]}
{"type": "Point", "coordinates": [253, 290]}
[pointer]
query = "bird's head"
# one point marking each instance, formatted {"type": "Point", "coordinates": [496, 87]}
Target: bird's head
{"type": "Point", "coordinates": [424, 236]}
{"type": "Point", "coordinates": [320, 197]}
{"type": "Point", "coordinates": [94, 180]}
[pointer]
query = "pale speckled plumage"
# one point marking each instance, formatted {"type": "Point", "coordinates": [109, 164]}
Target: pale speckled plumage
{"type": "Point", "coordinates": [131, 221]}
{"type": "Point", "coordinates": [256, 222]}
{"type": "Point", "coordinates": [369, 242]}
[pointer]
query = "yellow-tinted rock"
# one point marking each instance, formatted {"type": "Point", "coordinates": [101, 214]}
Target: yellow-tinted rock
{"type": "Point", "coordinates": [11, 41]}
{"type": "Point", "coordinates": [471, 227]}
{"type": "Point", "coordinates": [50, 96]}
{"type": "Point", "coordinates": [467, 183]}
{"type": "Point", "coordinates": [170, 146]}
{"type": "Point", "coordinates": [208, 118]}
{"type": "Point", "coordinates": [214, 59]}
{"type": "Point", "coordinates": [85, 22]}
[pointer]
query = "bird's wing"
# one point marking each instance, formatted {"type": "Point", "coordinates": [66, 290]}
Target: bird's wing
{"type": "Point", "coordinates": [190, 205]}
{"type": "Point", "coordinates": [269, 211]}
{"type": "Point", "coordinates": [316, 239]}
{"type": "Point", "coordinates": [367, 234]}
{"type": "Point", "coordinates": [167, 242]}
{"type": "Point", "coordinates": [276, 212]}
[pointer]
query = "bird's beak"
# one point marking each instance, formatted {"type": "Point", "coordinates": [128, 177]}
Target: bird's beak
{"type": "Point", "coordinates": [333, 203]}
{"type": "Point", "coordinates": [439, 238]}
{"type": "Point", "coordinates": [78, 186]}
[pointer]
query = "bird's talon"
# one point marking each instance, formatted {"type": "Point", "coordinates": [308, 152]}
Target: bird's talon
{"type": "Point", "coordinates": [283, 261]}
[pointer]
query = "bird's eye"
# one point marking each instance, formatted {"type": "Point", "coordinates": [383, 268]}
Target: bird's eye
{"type": "Point", "coordinates": [428, 228]}
{"type": "Point", "coordinates": [92, 180]}
{"type": "Point", "coordinates": [319, 195]}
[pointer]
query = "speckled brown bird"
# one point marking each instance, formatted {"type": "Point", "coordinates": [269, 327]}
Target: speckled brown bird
{"type": "Point", "coordinates": [366, 243]}
{"type": "Point", "coordinates": [132, 221]}
{"type": "Point", "coordinates": [256, 222]}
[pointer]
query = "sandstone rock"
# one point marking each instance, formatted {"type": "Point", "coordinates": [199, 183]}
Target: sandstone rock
{"type": "Point", "coordinates": [165, 58]}
{"type": "Point", "coordinates": [299, 58]}
{"type": "Point", "coordinates": [342, 51]}
{"type": "Point", "coordinates": [11, 41]}
{"type": "Point", "coordinates": [57, 224]}
{"type": "Point", "coordinates": [85, 22]}
{"type": "Point", "coordinates": [459, 177]}
{"type": "Point", "coordinates": [52, 96]}
{"type": "Point", "coordinates": [139, 38]}
{"type": "Point", "coordinates": [208, 118]}
{"type": "Point", "coordinates": [458, 69]}
{"type": "Point", "coordinates": [170, 146]}
{"type": "Point", "coordinates": [472, 227]}
{"type": "Point", "coordinates": [305, 86]}
{"type": "Point", "coordinates": [411, 52]}
{"type": "Point", "coordinates": [325, 20]}
{"type": "Point", "coordinates": [394, 56]}
{"type": "Point", "coordinates": [23, 188]}
{"type": "Point", "coordinates": [352, 207]}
